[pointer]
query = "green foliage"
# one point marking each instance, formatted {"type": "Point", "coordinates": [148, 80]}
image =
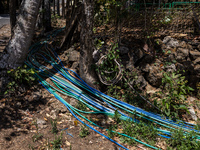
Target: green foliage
{"type": "Point", "coordinates": [117, 116]}
{"type": "Point", "coordinates": [37, 137]}
{"type": "Point", "coordinates": [55, 18]}
{"type": "Point", "coordinates": [107, 10]}
{"type": "Point", "coordinates": [54, 127]}
{"type": "Point", "coordinates": [124, 92]}
{"type": "Point", "coordinates": [98, 43]}
{"type": "Point", "coordinates": [181, 140]}
{"type": "Point", "coordinates": [141, 131]}
{"type": "Point", "coordinates": [173, 95]}
{"type": "Point", "coordinates": [31, 147]}
{"type": "Point", "coordinates": [21, 75]}
{"type": "Point", "coordinates": [81, 106]}
{"type": "Point", "coordinates": [57, 143]}
{"type": "Point", "coordinates": [114, 91]}
{"type": "Point", "coordinates": [109, 67]}
{"type": "Point", "coordinates": [84, 131]}
{"type": "Point", "coordinates": [110, 130]}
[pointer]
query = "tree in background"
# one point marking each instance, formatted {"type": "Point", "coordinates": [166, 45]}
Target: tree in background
{"type": "Point", "coordinates": [1, 7]}
{"type": "Point", "coordinates": [58, 7]}
{"type": "Point", "coordinates": [47, 15]}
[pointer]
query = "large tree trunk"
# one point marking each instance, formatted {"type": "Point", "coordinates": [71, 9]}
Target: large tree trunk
{"type": "Point", "coordinates": [17, 48]}
{"type": "Point", "coordinates": [12, 11]}
{"type": "Point", "coordinates": [87, 72]}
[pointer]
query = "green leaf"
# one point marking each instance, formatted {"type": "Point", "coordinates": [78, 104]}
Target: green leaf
{"type": "Point", "coordinates": [182, 97]}
{"type": "Point", "coordinates": [190, 89]}
{"type": "Point", "coordinates": [182, 107]}
{"type": "Point", "coordinates": [167, 112]}
{"type": "Point", "coordinates": [167, 105]}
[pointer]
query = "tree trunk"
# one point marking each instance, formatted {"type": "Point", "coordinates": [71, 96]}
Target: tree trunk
{"type": "Point", "coordinates": [47, 16]}
{"type": "Point", "coordinates": [63, 8]}
{"type": "Point", "coordinates": [58, 7]}
{"type": "Point", "coordinates": [17, 48]}
{"type": "Point", "coordinates": [87, 72]}
{"type": "Point", "coordinates": [8, 2]}
{"type": "Point", "coordinates": [1, 8]}
{"type": "Point", "coordinates": [54, 7]}
{"type": "Point", "coordinates": [12, 11]}
{"type": "Point", "coordinates": [18, 3]}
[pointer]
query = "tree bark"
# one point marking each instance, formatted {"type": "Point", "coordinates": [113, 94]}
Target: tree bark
{"type": "Point", "coordinates": [12, 11]}
{"type": "Point", "coordinates": [87, 72]}
{"type": "Point", "coordinates": [47, 16]}
{"type": "Point", "coordinates": [1, 8]}
{"type": "Point", "coordinates": [63, 8]}
{"type": "Point", "coordinates": [17, 48]}
{"type": "Point", "coordinates": [58, 7]}
{"type": "Point", "coordinates": [18, 3]}
{"type": "Point", "coordinates": [54, 7]}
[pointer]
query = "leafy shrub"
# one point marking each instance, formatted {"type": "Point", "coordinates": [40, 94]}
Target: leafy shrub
{"type": "Point", "coordinates": [21, 75]}
{"type": "Point", "coordinates": [173, 94]}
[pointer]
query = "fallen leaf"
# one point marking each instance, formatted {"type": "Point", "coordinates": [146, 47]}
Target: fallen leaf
{"type": "Point", "coordinates": [75, 122]}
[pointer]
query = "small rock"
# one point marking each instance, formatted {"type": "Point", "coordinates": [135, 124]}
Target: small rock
{"type": "Point", "coordinates": [123, 50]}
{"type": "Point", "coordinates": [192, 113]}
{"type": "Point", "coordinates": [194, 54]}
{"type": "Point", "coordinates": [171, 68]}
{"type": "Point", "coordinates": [197, 61]}
{"type": "Point", "coordinates": [90, 142]}
{"type": "Point", "coordinates": [65, 116]}
{"type": "Point", "coordinates": [170, 42]}
{"type": "Point", "coordinates": [19, 129]}
{"type": "Point", "coordinates": [67, 143]}
{"type": "Point", "coordinates": [47, 109]}
{"type": "Point", "coordinates": [182, 54]}
{"type": "Point", "coordinates": [171, 57]}
{"type": "Point", "coordinates": [146, 68]}
{"type": "Point", "coordinates": [191, 99]}
{"type": "Point", "coordinates": [141, 82]}
{"type": "Point", "coordinates": [18, 104]}
{"type": "Point", "coordinates": [74, 56]}
{"type": "Point", "coordinates": [197, 70]}
{"type": "Point", "coordinates": [48, 115]}
{"type": "Point", "coordinates": [41, 126]}
{"type": "Point", "coordinates": [36, 96]}
{"type": "Point", "coordinates": [53, 114]}
{"type": "Point", "coordinates": [154, 77]}
{"type": "Point", "coordinates": [40, 121]}
{"type": "Point", "coordinates": [183, 44]}
{"type": "Point", "coordinates": [73, 102]}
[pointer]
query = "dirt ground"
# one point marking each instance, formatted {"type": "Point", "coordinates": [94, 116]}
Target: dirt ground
{"type": "Point", "coordinates": [25, 121]}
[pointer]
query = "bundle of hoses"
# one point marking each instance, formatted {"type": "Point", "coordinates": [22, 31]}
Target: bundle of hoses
{"type": "Point", "coordinates": [63, 81]}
